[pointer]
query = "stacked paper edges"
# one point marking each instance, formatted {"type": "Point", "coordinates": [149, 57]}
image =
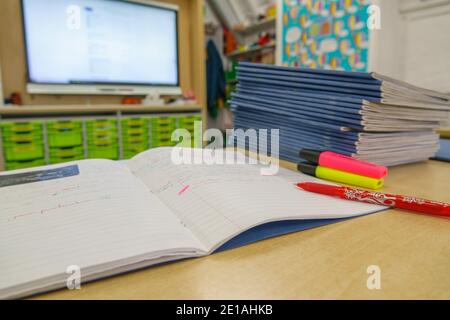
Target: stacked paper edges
{"type": "Point", "coordinates": [364, 115]}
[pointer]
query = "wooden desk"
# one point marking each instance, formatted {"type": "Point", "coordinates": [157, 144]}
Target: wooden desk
{"type": "Point", "coordinates": [413, 252]}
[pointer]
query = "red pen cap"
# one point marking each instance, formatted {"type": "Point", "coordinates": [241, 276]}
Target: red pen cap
{"type": "Point", "coordinates": [344, 163]}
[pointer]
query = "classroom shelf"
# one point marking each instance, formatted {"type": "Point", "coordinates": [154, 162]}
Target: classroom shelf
{"type": "Point", "coordinates": [251, 51]}
{"type": "Point", "coordinates": [27, 143]}
{"type": "Point", "coordinates": [94, 109]}
{"type": "Point", "coordinates": [257, 27]}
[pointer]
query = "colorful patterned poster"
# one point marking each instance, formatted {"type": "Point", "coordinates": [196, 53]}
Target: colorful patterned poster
{"type": "Point", "coordinates": [326, 34]}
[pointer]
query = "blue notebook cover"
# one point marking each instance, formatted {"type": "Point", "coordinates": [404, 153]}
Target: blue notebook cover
{"type": "Point", "coordinates": [358, 75]}
{"type": "Point", "coordinates": [299, 73]}
{"type": "Point", "coordinates": [274, 229]}
{"type": "Point", "coordinates": [299, 105]}
{"type": "Point", "coordinates": [287, 131]}
{"type": "Point", "coordinates": [444, 153]}
{"type": "Point", "coordinates": [320, 119]}
{"type": "Point", "coordinates": [284, 96]}
{"type": "Point", "coordinates": [297, 121]}
{"type": "Point", "coordinates": [322, 95]}
{"type": "Point", "coordinates": [290, 143]}
{"type": "Point", "coordinates": [309, 87]}
{"type": "Point", "coordinates": [312, 81]}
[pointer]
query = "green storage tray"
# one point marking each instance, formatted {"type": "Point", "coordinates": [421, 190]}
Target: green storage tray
{"type": "Point", "coordinates": [66, 152]}
{"type": "Point", "coordinates": [164, 144]}
{"type": "Point", "coordinates": [135, 131]}
{"type": "Point", "coordinates": [106, 140]}
{"type": "Point", "coordinates": [165, 126]}
{"type": "Point", "coordinates": [128, 153]}
{"type": "Point", "coordinates": [158, 121]}
{"type": "Point", "coordinates": [22, 137]}
{"type": "Point", "coordinates": [188, 120]}
{"type": "Point", "coordinates": [24, 164]}
{"type": "Point", "coordinates": [188, 127]}
{"type": "Point", "coordinates": [55, 160]}
{"type": "Point", "coordinates": [61, 138]}
{"type": "Point", "coordinates": [186, 144]}
{"type": "Point", "coordinates": [102, 130]}
{"type": "Point", "coordinates": [135, 139]}
{"type": "Point", "coordinates": [64, 125]}
{"type": "Point", "coordinates": [23, 151]}
{"type": "Point", "coordinates": [139, 147]}
{"type": "Point", "coordinates": [102, 133]}
{"type": "Point", "coordinates": [103, 153]}
{"type": "Point", "coordinates": [134, 122]}
{"type": "Point", "coordinates": [162, 136]}
{"type": "Point", "coordinates": [15, 127]}
{"type": "Point", "coordinates": [101, 124]}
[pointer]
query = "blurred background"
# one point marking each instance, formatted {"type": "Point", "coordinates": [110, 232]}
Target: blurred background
{"type": "Point", "coordinates": [410, 39]}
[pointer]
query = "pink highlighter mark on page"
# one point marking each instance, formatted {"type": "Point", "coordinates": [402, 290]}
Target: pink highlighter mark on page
{"type": "Point", "coordinates": [183, 190]}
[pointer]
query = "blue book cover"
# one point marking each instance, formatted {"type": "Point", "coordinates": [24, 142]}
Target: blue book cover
{"type": "Point", "coordinates": [321, 95]}
{"type": "Point", "coordinates": [304, 116]}
{"type": "Point", "coordinates": [310, 87]}
{"type": "Point", "coordinates": [311, 80]}
{"type": "Point", "coordinates": [274, 229]}
{"type": "Point", "coordinates": [283, 96]}
{"type": "Point", "coordinates": [299, 73]}
{"type": "Point", "coordinates": [357, 75]}
{"type": "Point", "coordinates": [300, 105]}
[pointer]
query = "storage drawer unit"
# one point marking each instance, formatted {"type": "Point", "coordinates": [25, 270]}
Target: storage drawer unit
{"type": "Point", "coordinates": [104, 152]}
{"type": "Point", "coordinates": [14, 151]}
{"type": "Point", "coordinates": [22, 144]}
{"type": "Point", "coordinates": [135, 136]}
{"type": "Point", "coordinates": [64, 134]}
{"type": "Point", "coordinates": [56, 160]}
{"type": "Point", "coordinates": [162, 129]}
{"type": "Point", "coordinates": [102, 139]}
{"type": "Point", "coordinates": [188, 122]}
{"type": "Point", "coordinates": [67, 152]}
{"type": "Point", "coordinates": [16, 165]}
{"type": "Point", "coordinates": [34, 143]}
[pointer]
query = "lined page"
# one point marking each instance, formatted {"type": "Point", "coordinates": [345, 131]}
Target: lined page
{"type": "Point", "coordinates": [100, 216]}
{"type": "Point", "coordinates": [218, 202]}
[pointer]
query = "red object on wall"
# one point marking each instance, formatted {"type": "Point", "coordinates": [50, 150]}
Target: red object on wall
{"type": "Point", "coordinates": [16, 99]}
{"type": "Point", "coordinates": [230, 43]}
{"type": "Point", "coordinates": [131, 100]}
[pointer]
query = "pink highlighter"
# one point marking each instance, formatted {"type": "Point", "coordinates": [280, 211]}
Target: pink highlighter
{"type": "Point", "coordinates": [343, 163]}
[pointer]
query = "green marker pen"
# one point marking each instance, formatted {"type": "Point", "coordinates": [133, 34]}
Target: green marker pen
{"type": "Point", "coordinates": [340, 176]}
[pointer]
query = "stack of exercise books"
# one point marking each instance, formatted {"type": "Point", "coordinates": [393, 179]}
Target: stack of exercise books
{"type": "Point", "coordinates": [365, 115]}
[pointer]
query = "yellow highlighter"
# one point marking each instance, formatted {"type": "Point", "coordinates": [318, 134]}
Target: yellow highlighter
{"type": "Point", "coordinates": [340, 176]}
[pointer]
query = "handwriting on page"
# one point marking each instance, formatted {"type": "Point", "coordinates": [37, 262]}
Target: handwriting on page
{"type": "Point", "coordinates": [49, 210]}
{"type": "Point", "coordinates": [100, 218]}
{"type": "Point", "coordinates": [225, 200]}
{"type": "Point", "coordinates": [53, 195]}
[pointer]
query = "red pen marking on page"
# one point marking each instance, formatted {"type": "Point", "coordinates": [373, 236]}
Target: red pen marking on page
{"type": "Point", "coordinates": [183, 190]}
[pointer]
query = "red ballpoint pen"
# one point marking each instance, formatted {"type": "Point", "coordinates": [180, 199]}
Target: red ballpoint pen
{"type": "Point", "coordinates": [395, 201]}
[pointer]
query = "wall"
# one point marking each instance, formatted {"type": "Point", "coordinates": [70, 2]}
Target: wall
{"type": "Point", "coordinates": [426, 45]}
{"type": "Point", "coordinates": [324, 34]}
{"type": "Point", "coordinates": [12, 55]}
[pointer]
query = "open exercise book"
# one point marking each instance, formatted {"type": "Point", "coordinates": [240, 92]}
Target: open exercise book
{"type": "Point", "coordinates": [108, 217]}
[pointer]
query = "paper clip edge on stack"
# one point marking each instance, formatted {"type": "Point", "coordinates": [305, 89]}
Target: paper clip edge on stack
{"type": "Point", "coordinates": [339, 168]}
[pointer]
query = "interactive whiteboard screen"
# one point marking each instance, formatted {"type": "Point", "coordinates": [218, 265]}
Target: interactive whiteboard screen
{"type": "Point", "coordinates": [106, 42]}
